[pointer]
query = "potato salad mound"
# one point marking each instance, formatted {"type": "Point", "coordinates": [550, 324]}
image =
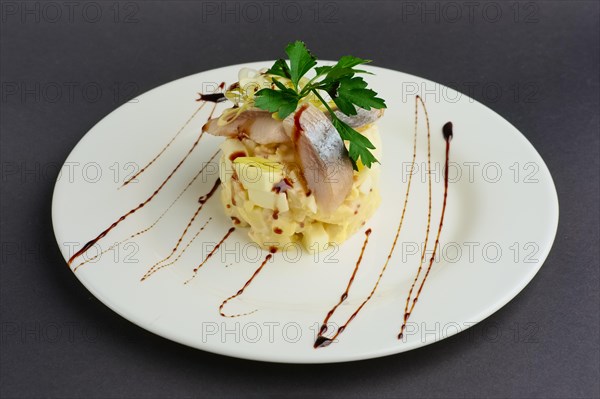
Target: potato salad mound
{"type": "Point", "coordinates": [264, 187]}
{"type": "Point", "coordinates": [300, 158]}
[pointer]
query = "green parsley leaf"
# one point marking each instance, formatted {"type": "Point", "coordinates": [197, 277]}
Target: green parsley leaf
{"type": "Point", "coordinates": [349, 61]}
{"type": "Point", "coordinates": [354, 90]}
{"type": "Point", "coordinates": [322, 70]}
{"type": "Point", "coordinates": [284, 102]}
{"type": "Point", "coordinates": [280, 68]}
{"type": "Point", "coordinates": [359, 144]}
{"type": "Point", "coordinates": [339, 81]}
{"type": "Point", "coordinates": [344, 105]}
{"type": "Point", "coordinates": [344, 67]}
{"type": "Point", "coordinates": [301, 60]}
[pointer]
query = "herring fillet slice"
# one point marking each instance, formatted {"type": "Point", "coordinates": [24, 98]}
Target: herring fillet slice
{"type": "Point", "coordinates": [322, 155]}
{"type": "Point", "coordinates": [323, 158]}
{"type": "Point", "coordinates": [363, 117]}
{"type": "Point", "coordinates": [258, 125]}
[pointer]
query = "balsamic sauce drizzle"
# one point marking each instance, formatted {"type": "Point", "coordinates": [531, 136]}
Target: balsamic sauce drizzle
{"type": "Point", "coordinates": [241, 290]}
{"type": "Point", "coordinates": [448, 134]}
{"type": "Point", "coordinates": [180, 253]}
{"type": "Point", "coordinates": [428, 228]}
{"type": "Point", "coordinates": [214, 98]}
{"type": "Point", "coordinates": [91, 243]}
{"type": "Point", "coordinates": [344, 296]}
{"type": "Point", "coordinates": [181, 129]}
{"type": "Point", "coordinates": [212, 111]}
{"type": "Point", "coordinates": [323, 341]}
{"type": "Point", "coordinates": [202, 201]}
{"type": "Point", "coordinates": [195, 271]}
{"type": "Point", "coordinates": [150, 227]}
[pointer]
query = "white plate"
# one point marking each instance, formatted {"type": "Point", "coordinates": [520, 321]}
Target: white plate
{"type": "Point", "coordinates": [500, 223]}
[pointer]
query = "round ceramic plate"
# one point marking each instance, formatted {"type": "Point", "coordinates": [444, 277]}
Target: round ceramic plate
{"type": "Point", "coordinates": [500, 223]}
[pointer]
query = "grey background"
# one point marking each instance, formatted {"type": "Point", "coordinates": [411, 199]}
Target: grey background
{"type": "Point", "coordinates": [548, 53]}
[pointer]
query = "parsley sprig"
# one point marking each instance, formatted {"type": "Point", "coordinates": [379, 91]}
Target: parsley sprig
{"type": "Point", "coordinates": [339, 81]}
